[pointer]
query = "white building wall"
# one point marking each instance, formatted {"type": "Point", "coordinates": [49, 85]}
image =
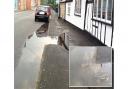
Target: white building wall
{"type": "Point", "coordinates": [97, 29]}
{"type": "Point", "coordinates": [88, 22]}
{"type": "Point", "coordinates": [108, 35]}
{"type": "Point", "coordinates": [76, 20]}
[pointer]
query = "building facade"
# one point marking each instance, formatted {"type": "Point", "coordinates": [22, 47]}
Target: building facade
{"type": "Point", "coordinates": [27, 4]}
{"type": "Point", "coordinates": [93, 16]}
{"type": "Point", "coordinates": [62, 7]}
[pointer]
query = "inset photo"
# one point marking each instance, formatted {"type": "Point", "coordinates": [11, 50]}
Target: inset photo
{"type": "Point", "coordinates": [90, 66]}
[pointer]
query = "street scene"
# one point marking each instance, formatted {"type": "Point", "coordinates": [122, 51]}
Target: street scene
{"type": "Point", "coordinates": [44, 31]}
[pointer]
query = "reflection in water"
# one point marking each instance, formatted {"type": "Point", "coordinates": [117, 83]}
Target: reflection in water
{"type": "Point", "coordinates": [87, 70]}
{"type": "Point", "coordinates": [26, 73]}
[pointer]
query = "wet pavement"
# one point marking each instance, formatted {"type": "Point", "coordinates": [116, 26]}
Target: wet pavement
{"type": "Point", "coordinates": [90, 66]}
{"type": "Point", "coordinates": [27, 71]}
{"type": "Point", "coordinates": [54, 70]}
{"type": "Point", "coordinates": [76, 36]}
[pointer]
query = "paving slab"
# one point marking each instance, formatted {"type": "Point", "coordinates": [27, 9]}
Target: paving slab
{"type": "Point", "coordinates": [77, 36]}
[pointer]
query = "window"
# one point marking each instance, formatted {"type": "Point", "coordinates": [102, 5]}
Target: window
{"type": "Point", "coordinates": [69, 6]}
{"type": "Point", "coordinates": [78, 7]}
{"type": "Point", "coordinates": [109, 10]}
{"type": "Point", "coordinates": [95, 8]}
{"type": "Point", "coordinates": [102, 10]}
{"type": "Point", "coordinates": [99, 8]}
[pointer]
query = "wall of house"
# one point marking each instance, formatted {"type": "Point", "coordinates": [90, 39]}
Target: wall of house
{"type": "Point", "coordinates": [33, 3]}
{"type": "Point", "coordinates": [28, 4]}
{"type": "Point", "coordinates": [22, 5]}
{"type": "Point", "coordinates": [75, 20]}
{"type": "Point", "coordinates": [98, 29]}
{"type": "Point", "coordinates": [102, 31]}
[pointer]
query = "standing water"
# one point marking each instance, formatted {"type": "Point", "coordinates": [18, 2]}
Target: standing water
{"type": "Point", "coordinates": [26, 73]}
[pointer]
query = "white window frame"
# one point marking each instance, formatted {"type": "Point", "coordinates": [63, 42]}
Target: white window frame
{"type": "Point", "coordinates": [106, 16]}
{"type": "Point", "coordinates": [109, 21]}
{"type": "Point", "coordinates": [96, 10]}
{"type": "Point", "coordinates": [69, 6]}
{"type": "Point", "coordinates": [104, 20]}
{"type": "Point", "coordinates": [75, 13]}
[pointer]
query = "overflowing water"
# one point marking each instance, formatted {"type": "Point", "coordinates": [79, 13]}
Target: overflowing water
{"type": "Point", "coordinates": [26, 73]}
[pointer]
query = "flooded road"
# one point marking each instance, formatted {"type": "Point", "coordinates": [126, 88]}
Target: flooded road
{"type": "Point", "coordinates": [24, 25]}
{"type": "Point", "coordinates": [26, 73]}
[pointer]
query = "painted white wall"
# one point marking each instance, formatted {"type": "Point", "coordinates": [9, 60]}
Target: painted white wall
{"type": "Point", "coordinates": [96, 32]}
{"type": "Point", "coordinates": [88, 22]}
{"type": "Point", "coordinates": [79, 22]}
{"type": "Point", "coordinates": [76, 20]}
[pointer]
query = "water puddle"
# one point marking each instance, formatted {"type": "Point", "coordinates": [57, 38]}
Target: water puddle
{"type": "Point", "coordinates": [26, 73]}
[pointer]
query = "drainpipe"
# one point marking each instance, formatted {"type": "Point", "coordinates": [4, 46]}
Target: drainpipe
{"type": "Point", "coordinates": [65, 11]}
{"type": "Point", "coordinates": [86, 3]}
{"type": "Point", "coordinates": [85, 13]}
{"type": "Point", "coordinates": [112, 22]}
{"type": "Point", "coordinates": [59, 10]}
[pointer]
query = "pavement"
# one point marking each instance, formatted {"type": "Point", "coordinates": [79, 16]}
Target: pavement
{"type": "Point", "coordinates": [77, 36]}
{"type": "Point", "coordinates": [54, 68]}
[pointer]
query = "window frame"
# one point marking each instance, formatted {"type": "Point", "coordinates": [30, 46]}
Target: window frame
{"type": "Point", "coordinates": [106, 15]}
{"type": "Point", "coordinates": [109, 21]}
{"type": "Point", "coordinates": [68, 7]}
{"type": "Point", "coordinates": [78, 14]}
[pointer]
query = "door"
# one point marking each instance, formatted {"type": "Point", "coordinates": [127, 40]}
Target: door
{"type": "Point", "coordinates": [62, 10]}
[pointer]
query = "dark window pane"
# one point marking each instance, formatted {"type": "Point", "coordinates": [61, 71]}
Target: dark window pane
{"type": "Point", "coordinates": [99, 8]}
{"type": "Point", "coordinates": [104, 9]}
{"type": "Point", "coordinates": [109, 10]}
{"type": "Point", "coordinates": [95, 8]}
{"type": "Point", "coordinates": [78, 7]}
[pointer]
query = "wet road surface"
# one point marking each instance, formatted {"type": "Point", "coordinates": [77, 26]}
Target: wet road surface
{"type": "Point", "coordinates": [24, 25]}
{"type": "Point", "coordinates": [27, 71]}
